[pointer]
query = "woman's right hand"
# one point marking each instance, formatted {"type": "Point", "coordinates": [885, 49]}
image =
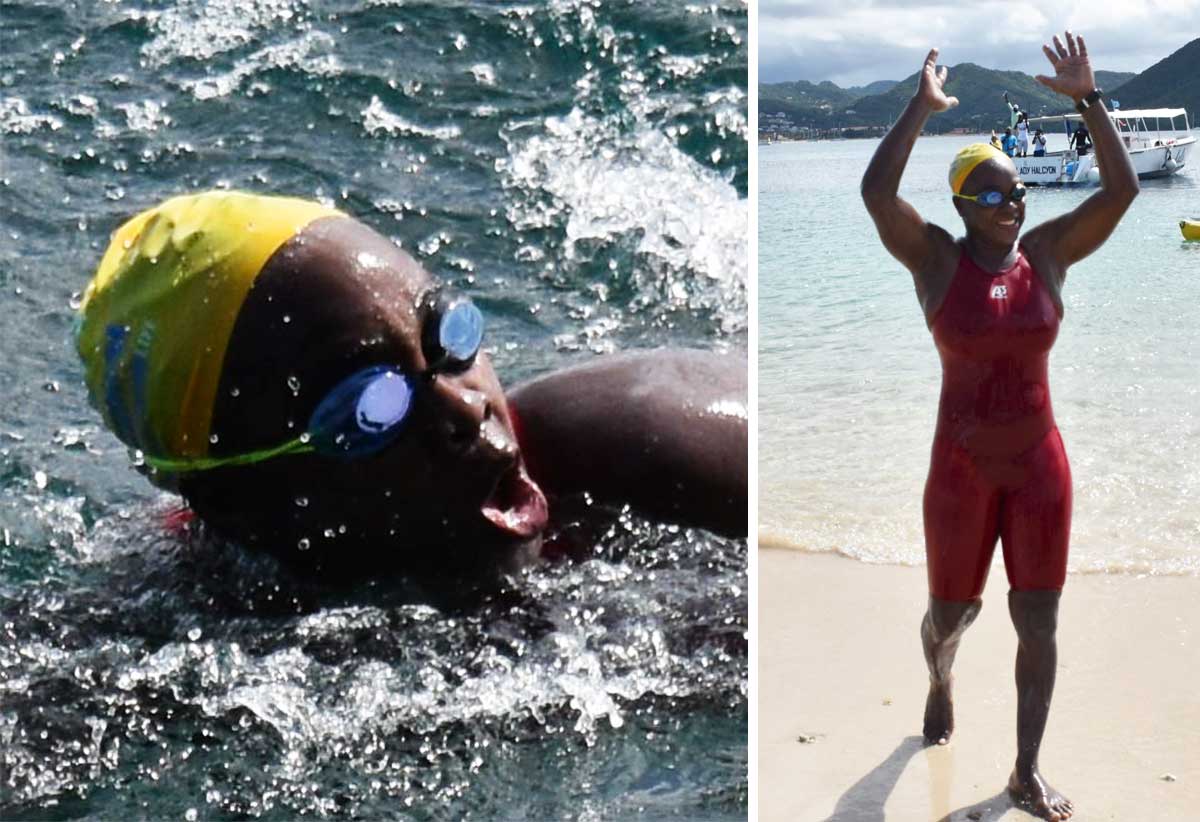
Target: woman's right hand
{"type": "Point", "coordinates": [930, 90]}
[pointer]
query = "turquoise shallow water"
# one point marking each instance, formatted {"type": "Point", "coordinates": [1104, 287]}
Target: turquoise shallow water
{"type": "Point", "coordinates": [580, 169]}
{"type": "Point", "coordinates": [849, 378]}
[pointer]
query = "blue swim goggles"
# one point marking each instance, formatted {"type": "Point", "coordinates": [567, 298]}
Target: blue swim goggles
{"type": "Point", "coordinates": [991, 198]}
{"type": "Point", "coordinates": [365, 412]}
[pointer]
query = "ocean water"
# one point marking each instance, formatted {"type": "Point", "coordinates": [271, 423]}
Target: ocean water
{"type": "Point", "coordinates": [580, 169]}
{"type": "Point", "coordinates": [849, 377]}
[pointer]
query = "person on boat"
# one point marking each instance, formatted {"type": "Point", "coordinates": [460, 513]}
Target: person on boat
{"type": "Point", "coordinates": [995, 141]}
{"type": "Point", "coordinates": [1081, 140]}
{"type": "Point", "coordinates": [1022, 135]}
{"type": "Point", "coordinates": [1009, 142]}
{"type": "Point", "coordinates": [992, 301]}
{"type": "Point", "coordinates": [1014, 111]}
{"type": "Point", "coordinates": [310, 389]}
{"type": "Point", "coordinates": [1039, 143]}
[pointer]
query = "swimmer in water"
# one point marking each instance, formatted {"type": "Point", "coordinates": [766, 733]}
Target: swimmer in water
{"type": "Point", "coordinates": [310, 389]}
{"type": "Point", "coordinates": [992, 301]}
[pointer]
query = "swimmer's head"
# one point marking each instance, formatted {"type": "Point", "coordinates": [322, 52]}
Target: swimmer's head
{"type": "Point", "coordinates": [969, 158]}
{"type": "Point", "coordinates": [979, 174]}
{"type": "Point", "coordinates": [307, 387]}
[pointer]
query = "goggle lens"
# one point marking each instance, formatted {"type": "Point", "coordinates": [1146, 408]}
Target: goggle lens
{"type": "Point", "coordinates": [460, 332]}
{"type": "Point", "coordinates": [993, 198]}
{"type": "Point", "coordinates": [453, 331]}
{"type": "Point", "coordinates": [383, 403]}
{"type": "Point", "coordinates": [362, 414]}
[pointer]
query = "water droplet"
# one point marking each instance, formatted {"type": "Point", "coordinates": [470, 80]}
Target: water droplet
{"type": "Point", "coordinates": [302, 502]}
{"type": "Point", "coordinates": [341, 529]}
{"type": "Point", "coordinates": [191, 815]}
{"type": "Point", "coordinates": [213, 438]}
{"type": "Point", "coordinates": [234, 392]}
{"type": "Point", "coordinates": [287, 318]}
{"type": "Point", "coordinates": [127, 244]}
{"type": "Point", "coordinates": [305, 437]}
{"type": "Point", "coordinates": [194, 635]}
{"type": "Point", "coordinates": [294, 383]}
{"type": "Point", "coordinates": [303, 544]}
{"type": "Point", "coordinates": [39, 479]}
{"type": "Point", "coordinates": [328, 533]}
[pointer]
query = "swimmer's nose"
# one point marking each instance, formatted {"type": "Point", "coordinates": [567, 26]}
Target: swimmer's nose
{"type": "Point", "coordinates": [460, 409]}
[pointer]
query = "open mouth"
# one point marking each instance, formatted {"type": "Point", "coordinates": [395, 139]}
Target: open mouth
{"type": "Point", "coordinates": [516, 505]}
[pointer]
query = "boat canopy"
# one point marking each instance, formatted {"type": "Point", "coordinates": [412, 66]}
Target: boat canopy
{"type": "Point", "coordinates": [1116, 114]}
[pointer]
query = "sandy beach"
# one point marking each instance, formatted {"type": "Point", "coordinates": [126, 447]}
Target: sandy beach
{"type": "Point", "coordinates": [842, 685]}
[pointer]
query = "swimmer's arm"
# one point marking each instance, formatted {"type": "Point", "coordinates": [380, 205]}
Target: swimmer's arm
{"type": "Point", "coordinates": [1076, 234]}
{"type": "Point", "coordinates": [664, 432]}
{"type": "Point", "coordinates": [905, 234]}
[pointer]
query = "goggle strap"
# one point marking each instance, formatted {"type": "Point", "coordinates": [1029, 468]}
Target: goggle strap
{"type": "Point", "coordinates": [298, 445]}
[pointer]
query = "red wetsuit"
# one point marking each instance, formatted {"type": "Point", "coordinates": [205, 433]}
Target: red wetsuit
{"type": "Point", "coordinates": [998, 467]}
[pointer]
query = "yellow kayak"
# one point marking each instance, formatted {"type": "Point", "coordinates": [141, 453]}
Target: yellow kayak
{"type": "Point", "coordinates": [1190, 229]}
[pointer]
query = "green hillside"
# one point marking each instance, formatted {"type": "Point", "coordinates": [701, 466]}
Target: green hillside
{"type": "Point", "coordinates": [815, 104]}
{"type": "Point", "coordinates": [979, 90]}
{"type": "Point", "coordinates": [1173, 82]}
{"type": "Point", "coordinates": [814, 95]}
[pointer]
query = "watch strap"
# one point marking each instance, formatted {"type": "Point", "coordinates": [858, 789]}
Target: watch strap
{"type": "Point", "coordinates": [1089, 100]}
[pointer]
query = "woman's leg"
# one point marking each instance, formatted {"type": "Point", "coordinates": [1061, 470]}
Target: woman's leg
{"type": "Point", "coordinates": [1035, 616]}
{"type": "Point", "coordinates": [1035, 530]}
{"type": "Point", "coordinates": [961, 512]}
{"type": "Point", "coordinates": [941, 629]}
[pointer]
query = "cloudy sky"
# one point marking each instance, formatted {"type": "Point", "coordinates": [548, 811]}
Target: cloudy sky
{"type": "Point", "coordinates": [853, 42]}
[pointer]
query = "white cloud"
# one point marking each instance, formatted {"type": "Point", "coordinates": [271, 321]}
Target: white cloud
{"type": "Point", "coordinates": [853, 42]}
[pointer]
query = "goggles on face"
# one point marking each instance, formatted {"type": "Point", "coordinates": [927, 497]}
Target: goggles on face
{"type": "Point", "coordinates": [366, 412]}
{"type": "Point", "coordinates": [991, 197]}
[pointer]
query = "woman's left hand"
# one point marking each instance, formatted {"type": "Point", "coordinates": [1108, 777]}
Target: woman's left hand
{"type": "Point", "coordinates": [1072, 69]}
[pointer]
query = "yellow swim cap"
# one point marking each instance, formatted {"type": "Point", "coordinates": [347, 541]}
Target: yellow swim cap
{"type": "Point", "coordinates": [157, 317]}
{"type": "Point", "coordinates": [965, 161]}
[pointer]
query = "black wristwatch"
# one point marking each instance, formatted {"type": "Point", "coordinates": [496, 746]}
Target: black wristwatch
{"type": "Point", "coordinates": [1087, 102]}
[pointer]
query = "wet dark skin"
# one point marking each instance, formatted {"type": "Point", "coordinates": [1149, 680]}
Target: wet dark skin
{"type": "Point", "coordinates": [931, 254]}
{"type": "Point", "coordinates": [694, 470]}
{"type": "Point", "coordinates": [453, 497]}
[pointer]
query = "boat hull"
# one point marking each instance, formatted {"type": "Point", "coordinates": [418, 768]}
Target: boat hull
{"type": "Point", "coordinates": [1190, 229]}
{"type": "Point", "coordinates": [1063, 167]}
{"type": "Point", "coordinates": [1161, 161]}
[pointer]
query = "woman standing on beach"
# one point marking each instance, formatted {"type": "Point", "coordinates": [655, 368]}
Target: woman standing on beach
{"type": "Point", "coordinates": [992, 301]}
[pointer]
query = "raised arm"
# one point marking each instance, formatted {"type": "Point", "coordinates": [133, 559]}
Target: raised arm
{"type": "Point", "coordinates": [662, 431]}
{"type": "Point", "coordinates": [1071, 237]}
{"type": "Point", "coordinates": [905, 234]}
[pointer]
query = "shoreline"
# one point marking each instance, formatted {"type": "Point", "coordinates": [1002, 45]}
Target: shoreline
{"type": "Point", "coordinates": [840, 666]}
{"type": "Point", "coordinates": [1151, 569]}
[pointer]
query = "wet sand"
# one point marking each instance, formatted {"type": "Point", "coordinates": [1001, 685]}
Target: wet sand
{"type": "Point", "coordinates": [840, 666]}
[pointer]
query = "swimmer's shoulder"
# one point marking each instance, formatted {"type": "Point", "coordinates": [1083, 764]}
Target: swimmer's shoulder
{"type": "Point", "coordinates": [664, 431]}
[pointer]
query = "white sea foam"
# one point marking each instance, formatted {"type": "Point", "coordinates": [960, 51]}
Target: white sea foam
{"type": "Point", "coordinates": [201, 29]}
{"type": "Point", "coordinates": [310, 53]}
{"type": "Point", "coordinates": [377, 119]}
{"type": "Point", "coordinates": [581, 174]}
{"type": "Point", "coordinates": [16, 118]}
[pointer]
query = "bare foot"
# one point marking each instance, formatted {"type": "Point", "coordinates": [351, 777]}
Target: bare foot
{"type": "Point", "coordinates": [1034, 794]}
{"type": "Point", "coordinates": [939, 713]}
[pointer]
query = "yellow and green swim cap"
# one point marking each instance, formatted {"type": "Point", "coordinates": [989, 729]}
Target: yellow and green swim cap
{"type": "Point", "coordinates": [965, 161]}
{"type": "Point", "coordinates": [157, 317]}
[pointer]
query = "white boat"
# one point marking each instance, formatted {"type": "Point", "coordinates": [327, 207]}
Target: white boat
{"type": "Point", "coordinates": [1158, 141]}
